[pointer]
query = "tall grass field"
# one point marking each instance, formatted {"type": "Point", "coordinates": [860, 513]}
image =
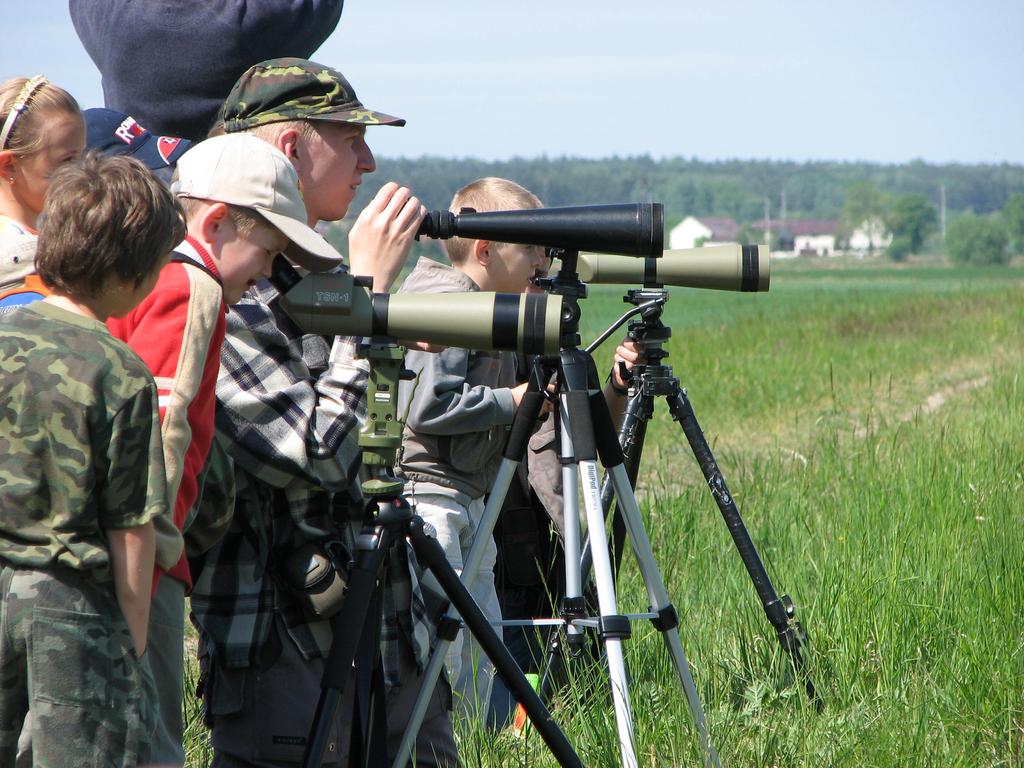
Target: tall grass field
{"type": "Point", "coordinates": [869, 421]}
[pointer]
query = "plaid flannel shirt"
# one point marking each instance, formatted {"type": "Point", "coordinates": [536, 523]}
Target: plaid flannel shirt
{"type": "Point", "coordinates": [289, 411]}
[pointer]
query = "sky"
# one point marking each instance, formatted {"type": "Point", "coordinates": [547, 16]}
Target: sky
{"type": "Point", "coordinates": [885, 81]}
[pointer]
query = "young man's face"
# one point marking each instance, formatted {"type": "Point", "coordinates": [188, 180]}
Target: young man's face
{"type": "Point", "coordinates": [336, 157]}
{"type": "Point", "coordinates": [64, 142]}
{"type": "Point", "coordinates": [243, 260]}
{"type": "Point", "coordinates": [513, 266]}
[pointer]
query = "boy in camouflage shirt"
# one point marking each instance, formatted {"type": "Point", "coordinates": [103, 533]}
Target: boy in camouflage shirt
{"type": "Point", "coordinates": [82, 477]}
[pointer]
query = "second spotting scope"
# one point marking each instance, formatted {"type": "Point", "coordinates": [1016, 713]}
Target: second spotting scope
{"type": "Point", "coordinates": [723, 267]}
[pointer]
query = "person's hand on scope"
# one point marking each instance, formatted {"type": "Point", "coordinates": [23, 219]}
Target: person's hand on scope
{"type": "Point", "coordinates": [423, 346]}
{"type": "Point", "coordinates": [379, 241]}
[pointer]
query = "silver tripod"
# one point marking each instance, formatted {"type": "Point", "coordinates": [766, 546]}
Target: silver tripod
{"type": "Point", "coordinates": [586, 433]}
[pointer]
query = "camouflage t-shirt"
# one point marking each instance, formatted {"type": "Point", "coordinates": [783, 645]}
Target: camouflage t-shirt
{"type": "Point", "coordinates": [79, 440]}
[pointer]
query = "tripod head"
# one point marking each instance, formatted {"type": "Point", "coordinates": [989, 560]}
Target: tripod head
{"type": "Point", "coordinates": [380, 437]}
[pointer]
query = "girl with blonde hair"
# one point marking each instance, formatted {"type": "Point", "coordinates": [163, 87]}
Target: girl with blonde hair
{"type": "Point", "coordinates": [41, 128]}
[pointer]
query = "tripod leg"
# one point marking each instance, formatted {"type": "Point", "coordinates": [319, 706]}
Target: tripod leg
{"type": "Point", "coordinates": [449, 625]}
{"type": "Point", "coordinates": [613, 626]}
{"type": "Point", "coordinates": [579, 440]}
{"type": "Point", "coordinates": [371, 547]}
{"type": "Point", "coordinates": [639, 411]}
{"type": "Point", "coordinates": [370, 727]}
{"type": "Point", "coordinates": [667, 621]}
{"type": "Point", "coordinates": [631, 436]}
{"type": "Point", "coordinates": [432, 556]}
{"type": "Point", "coordinates": [779, 611]}
{"type": "Point", "coordinates": [515, 449]}
{"type": "Point", "coordinates": [573, 604]}
{"type": "Point", "coordinates": [657, 597]}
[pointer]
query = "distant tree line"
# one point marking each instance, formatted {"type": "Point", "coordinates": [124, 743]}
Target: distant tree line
{"type": "Point", "coordinates": [736, 188]}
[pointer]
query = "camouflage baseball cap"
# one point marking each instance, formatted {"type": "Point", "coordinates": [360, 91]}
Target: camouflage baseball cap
{"type": "Point", "coordinates": [294, 89]}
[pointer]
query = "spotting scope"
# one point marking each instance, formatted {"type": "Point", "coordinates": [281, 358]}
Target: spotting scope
{"type": "Point", "coordinates": [337, 304]}
{"type": "Point", "coordinates": [631, 229]}
{"type": "Point", "coordinates": [723, 267]}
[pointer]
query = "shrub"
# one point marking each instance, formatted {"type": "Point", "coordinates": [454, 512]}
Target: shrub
{"type": "Point", "coordinates": [974, 239]}
{"type": "Point", "coordinates": [912, 218]}
{"type": "Point", "coordinates": [900, 248]}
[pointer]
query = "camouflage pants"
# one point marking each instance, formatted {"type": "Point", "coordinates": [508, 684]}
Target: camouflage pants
{"type": "Point", "coordinates": [66, 654]}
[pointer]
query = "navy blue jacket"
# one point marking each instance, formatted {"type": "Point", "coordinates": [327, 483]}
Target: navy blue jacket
{"type": "Point", "coordinates": [170, 63]}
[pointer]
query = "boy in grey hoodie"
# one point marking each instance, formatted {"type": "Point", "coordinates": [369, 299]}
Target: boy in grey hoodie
{"type": "Point", "coordinates": [458, 411]}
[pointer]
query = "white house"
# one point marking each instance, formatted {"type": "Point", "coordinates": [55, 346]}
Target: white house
{"type": "Point", "coordinates": [814, 237]}
{"type": "Point", "coordinates": [802, 237]}
{"type": "Point", "coordinates": [693, 232]}
{"type": "Point", "coordinates": [869, 237]}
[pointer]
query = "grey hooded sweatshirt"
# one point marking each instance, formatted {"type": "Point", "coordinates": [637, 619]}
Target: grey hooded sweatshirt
{"type": "Point", "coordinates": [458, 409]}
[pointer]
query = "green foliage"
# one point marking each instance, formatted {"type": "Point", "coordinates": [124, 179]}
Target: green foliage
{"type": "Point", "coordinates": [974, 239]}
{"type": "Point", "coordinates": [912, 218]}
{"type": "Point", "coordinates": [748, 234]}
{"type": "Point", "coordinates": [1013, 216]}
{"type": "Point", "coordinates": [865, 206]}
{"type": "Point", "coordinates": [900, 248]}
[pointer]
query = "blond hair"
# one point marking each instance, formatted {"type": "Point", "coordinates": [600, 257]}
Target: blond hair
{"type": "Point", "coordinates": [487, 194]}
{"type": "Point", "coordinates": [26, 133]}
{"type": "Point", "coordinates": [270, 131]}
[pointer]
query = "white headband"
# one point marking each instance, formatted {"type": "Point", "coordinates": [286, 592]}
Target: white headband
{"type": "Point", "coordinates": [20, 105]}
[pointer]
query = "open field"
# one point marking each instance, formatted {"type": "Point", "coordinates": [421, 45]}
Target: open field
{"type": "Point", "coordinates": [870, 422]}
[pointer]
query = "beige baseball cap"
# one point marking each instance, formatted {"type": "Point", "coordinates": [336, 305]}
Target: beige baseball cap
{"type": "Point", "coordinates": [243, 170]}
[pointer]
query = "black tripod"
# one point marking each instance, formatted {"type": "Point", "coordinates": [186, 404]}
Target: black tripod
{"type": "Point", "coordinates": [651, 378]}
{"type": "Point", "coordinates": [389, 522]}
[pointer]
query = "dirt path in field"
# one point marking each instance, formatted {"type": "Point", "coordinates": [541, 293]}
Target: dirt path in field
{"type": "Point", "coordinates": [669, 464]}
{"type": "Point", "coordinates": [937, 399]}
{"type": "Point", "coordinates": [934, 401]}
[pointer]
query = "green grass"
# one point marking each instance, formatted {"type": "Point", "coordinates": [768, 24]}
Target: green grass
{"type": "Point", "coordinates": [868, 420]}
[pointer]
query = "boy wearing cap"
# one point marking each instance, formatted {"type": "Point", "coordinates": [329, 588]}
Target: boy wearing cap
{"type": "Point", "coordinates": [243, 207]}
{"type": "Point", "coordinates": [288, 417]}
{"type": "Point", "coordinates": [110, 132]}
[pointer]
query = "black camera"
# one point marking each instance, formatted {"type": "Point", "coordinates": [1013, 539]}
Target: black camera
{"type": "Point", "coordinates": [316, 575]}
